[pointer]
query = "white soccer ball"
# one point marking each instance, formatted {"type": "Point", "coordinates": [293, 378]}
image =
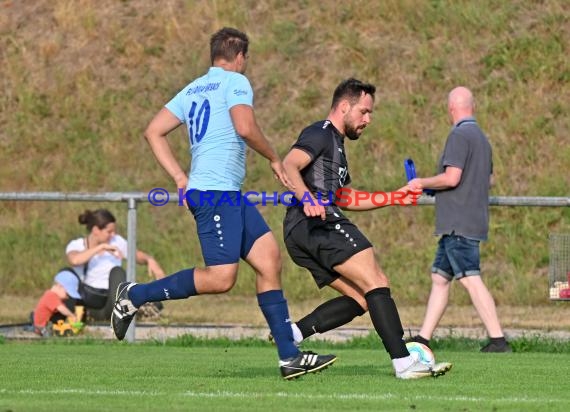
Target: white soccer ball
{"type": "Point", "coordinates": [421, 352]}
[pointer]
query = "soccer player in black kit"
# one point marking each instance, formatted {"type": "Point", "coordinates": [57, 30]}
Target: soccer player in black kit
{"type": "Point", "coordinates": [320, 238]}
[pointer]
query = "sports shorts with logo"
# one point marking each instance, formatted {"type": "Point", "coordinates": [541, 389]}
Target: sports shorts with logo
{"type": "Point", "coordinates": [227, 225]}
{"type": "Point", "coordinates": [321, 245]}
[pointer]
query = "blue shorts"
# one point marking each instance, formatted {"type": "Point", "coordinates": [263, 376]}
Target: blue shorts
{"type": "Point", "coordinates": [456, 257]}
{"type": "Point", "coordinates": [227, 226]}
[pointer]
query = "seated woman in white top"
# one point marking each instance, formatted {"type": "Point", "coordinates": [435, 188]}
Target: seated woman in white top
{"type": "Point", "coordinates": [97, 260]}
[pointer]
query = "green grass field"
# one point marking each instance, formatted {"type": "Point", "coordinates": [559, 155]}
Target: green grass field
{"type": "Point", "coordinates": [191, 374]}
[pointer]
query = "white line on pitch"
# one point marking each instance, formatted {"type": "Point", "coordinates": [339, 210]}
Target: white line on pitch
{"type": "Point", "coordinates": [259, 395]}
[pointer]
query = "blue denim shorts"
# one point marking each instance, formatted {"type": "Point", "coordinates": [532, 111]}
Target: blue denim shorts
{"type": "Point", "coordinates": [456, 257]}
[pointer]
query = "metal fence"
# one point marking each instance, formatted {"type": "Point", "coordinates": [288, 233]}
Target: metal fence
{"type": "Point", "coordinates": [559, 266]}
{"type": "Point", "coordinates": [133, 198]}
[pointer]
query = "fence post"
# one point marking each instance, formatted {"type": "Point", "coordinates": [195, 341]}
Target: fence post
{"type": "Point", "coordinates": [131, 254]}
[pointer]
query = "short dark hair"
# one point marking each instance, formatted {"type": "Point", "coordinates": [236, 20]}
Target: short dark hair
{"type": "Point", "coordinates": [351, 89]}
{"type": "Point", "coordinates": [99, 218]}
{"type": "Point", "coordinates": [227, 43]}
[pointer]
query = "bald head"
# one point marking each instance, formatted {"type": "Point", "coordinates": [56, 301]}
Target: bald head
{"type": "Point", "coordinates": [460, 104]}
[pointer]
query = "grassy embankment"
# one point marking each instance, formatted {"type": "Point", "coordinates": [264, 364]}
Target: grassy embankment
{"type": "Point", "coordinates": [82, 79]}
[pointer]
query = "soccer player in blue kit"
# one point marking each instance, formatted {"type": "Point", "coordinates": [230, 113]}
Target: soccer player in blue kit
{"type": "Point", "coordinates": [217, 109]}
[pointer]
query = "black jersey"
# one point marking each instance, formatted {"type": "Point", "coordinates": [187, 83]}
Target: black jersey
{"type": "Point", "coordinates": [325, 174]}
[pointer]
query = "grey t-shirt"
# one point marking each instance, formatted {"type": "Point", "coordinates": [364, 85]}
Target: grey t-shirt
{"type": "Point", "coordinates": [465, 208]}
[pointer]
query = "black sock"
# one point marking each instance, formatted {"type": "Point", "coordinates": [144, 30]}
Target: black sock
{"type": "Point", "coordinates": [499, 341]}
{"type": "Point", "coordinates": [421, 339]}
{"type": "Point", "coordinates": [386, 320]}
{"type": "Point", "coordinates": [330, 315]}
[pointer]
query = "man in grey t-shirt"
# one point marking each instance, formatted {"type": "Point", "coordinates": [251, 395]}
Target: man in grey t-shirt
{"type": "Point", "coordinates": [462, 220]}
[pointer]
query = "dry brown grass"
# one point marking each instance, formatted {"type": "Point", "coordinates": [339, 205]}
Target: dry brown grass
{"type": "Point", "coordinates": [80, 80]}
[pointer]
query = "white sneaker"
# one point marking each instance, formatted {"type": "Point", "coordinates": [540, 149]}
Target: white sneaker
{"type": "Point", "coordinates": [416, 370]}
{"type": "Point", "coordinates": [297, 336]}
{"type": "Point", "coordinates": [440, 368]}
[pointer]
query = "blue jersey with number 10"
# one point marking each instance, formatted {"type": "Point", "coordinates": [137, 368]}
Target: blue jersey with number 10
{"type": "Point", "coordinates": [218, 152]}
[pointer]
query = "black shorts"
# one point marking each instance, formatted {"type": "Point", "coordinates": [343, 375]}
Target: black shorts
{"type": "Point", "coordinates": [321, 245]}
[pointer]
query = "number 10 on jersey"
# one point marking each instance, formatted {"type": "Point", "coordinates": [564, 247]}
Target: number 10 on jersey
{"type": "Point", "coordinates": [198, 122]}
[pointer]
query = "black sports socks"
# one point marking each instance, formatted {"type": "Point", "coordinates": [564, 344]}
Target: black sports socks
{"type": "Point", "coordinates": [330, 315]}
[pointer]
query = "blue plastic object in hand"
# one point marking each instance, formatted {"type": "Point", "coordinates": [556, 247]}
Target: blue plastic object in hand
{"type": "Point", "coordinates": [410, 168]}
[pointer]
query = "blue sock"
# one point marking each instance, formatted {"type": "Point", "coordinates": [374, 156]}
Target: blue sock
{"type": "Point", "coordinates": [180, 285]}
{"type": "Point", "coordinates": [274, 308]}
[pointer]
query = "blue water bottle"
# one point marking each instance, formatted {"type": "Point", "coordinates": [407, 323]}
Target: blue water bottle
{"type": "Point", "coordinates": [410, 168]}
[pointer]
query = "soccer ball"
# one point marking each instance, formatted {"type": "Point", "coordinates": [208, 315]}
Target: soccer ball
{"type": "Point", "coordinates": [421, 352]}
